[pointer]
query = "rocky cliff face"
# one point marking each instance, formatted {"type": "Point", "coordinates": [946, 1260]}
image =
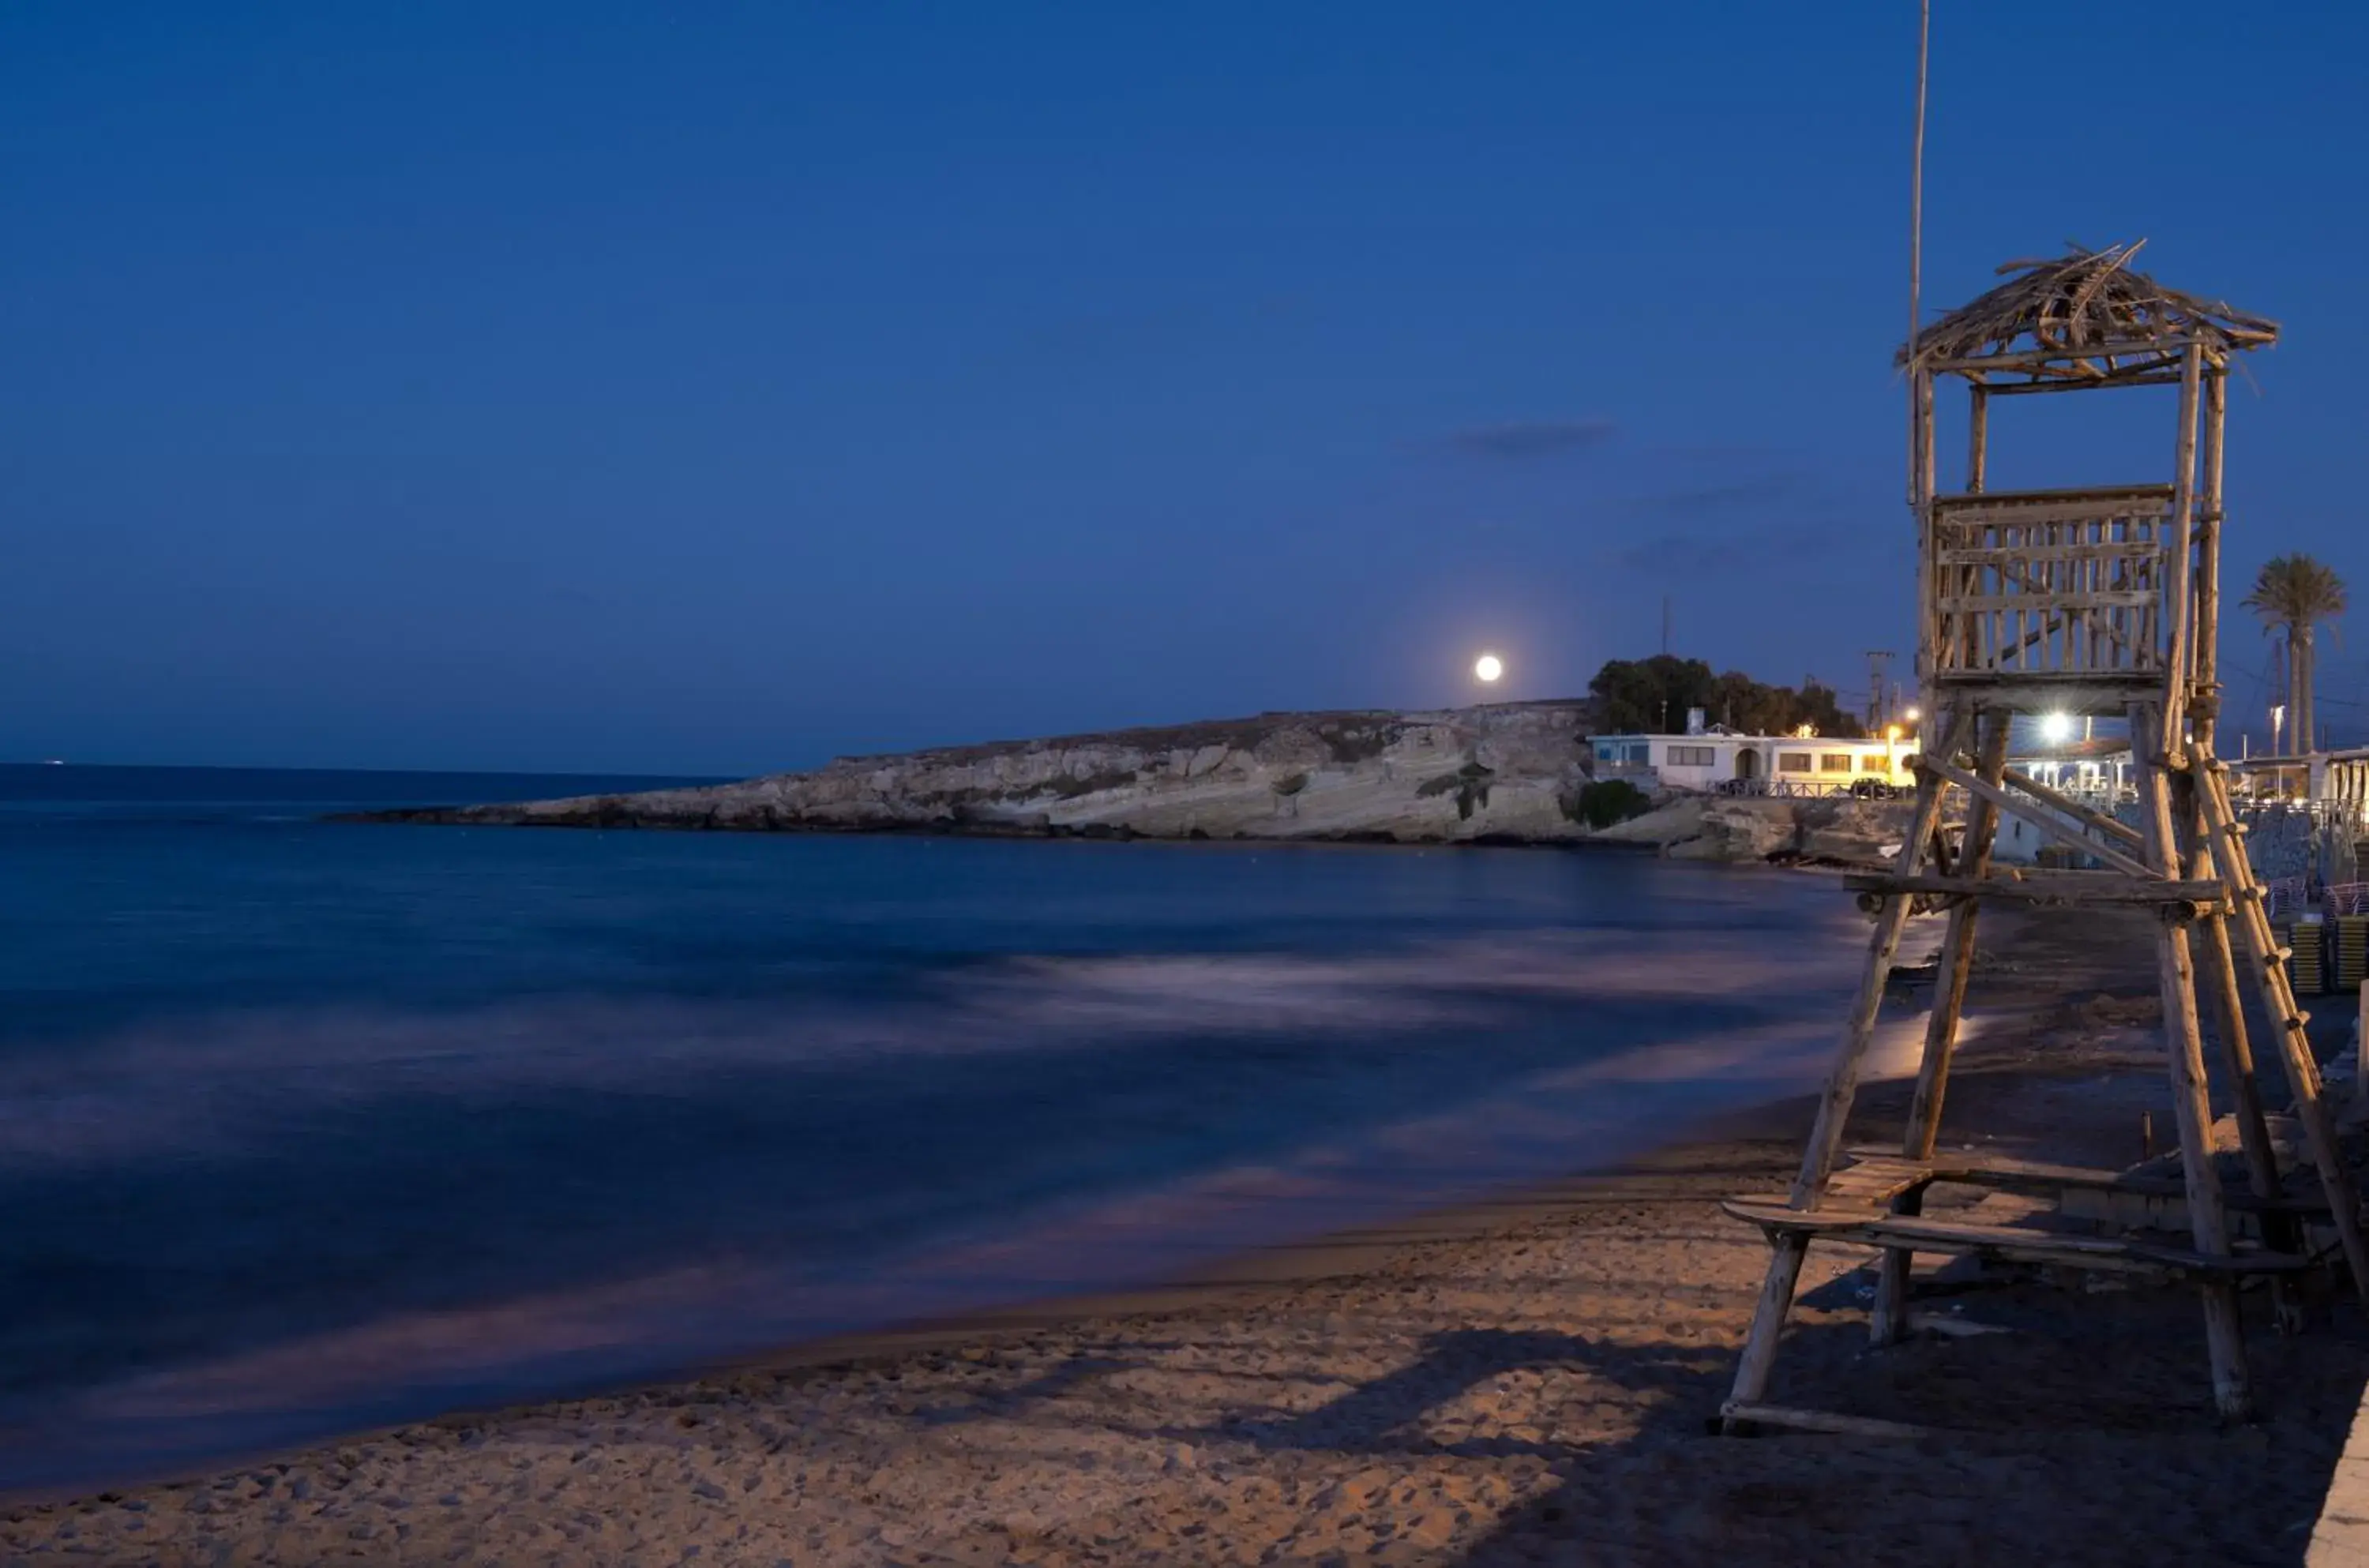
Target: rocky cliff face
{"type": "Point", "coordinates": [1505, 772]}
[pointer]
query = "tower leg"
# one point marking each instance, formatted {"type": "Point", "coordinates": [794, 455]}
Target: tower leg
{"type": "Point", "coordinates": [2286, 1019]}
{"type": "Point", "coordinates": [1889, 1322]}
{"type": "Point", "coordinates": [1788, 1252]}
{"type": "Point", "coordinates": [2184, 1052]}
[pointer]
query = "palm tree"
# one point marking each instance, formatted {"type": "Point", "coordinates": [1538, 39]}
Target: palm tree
{"type": "Point", "coordinates": [2293, 594]}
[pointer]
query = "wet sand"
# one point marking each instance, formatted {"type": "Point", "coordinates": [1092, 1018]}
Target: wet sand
{"type": "Point", "coordinates": [1525, 1382]}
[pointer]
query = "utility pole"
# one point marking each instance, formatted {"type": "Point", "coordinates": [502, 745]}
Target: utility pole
{"type": "Point", "coordinates": [1666, 625]}
{"type": "Point", "coordinates": [1879, 660]}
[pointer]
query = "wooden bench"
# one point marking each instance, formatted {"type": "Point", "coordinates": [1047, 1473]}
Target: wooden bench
{"type": "Point", "coordinates": [1877, 1227]}
{"type": "Point", "coordinates": [2041, 1179]}
{"type": "Point", "coordinates": [1861, 1204]}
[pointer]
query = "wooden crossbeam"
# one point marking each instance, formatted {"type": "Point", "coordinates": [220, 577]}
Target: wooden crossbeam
{"type": "Point", "coordinates": [2069, 888]}
{"type": "Point", "coordinates": [2008, 555]}
{"type": "Point", "coordinates": [2048, 601]}
{"type": "Point", "coordinates": [2065, 806]}
{"type": "Point", "coordinates": [2147, 378]}
{"type": "Point", "coordinates": [2034, 816]}
{"type": "Point", "coordinates": [1742, 1412]}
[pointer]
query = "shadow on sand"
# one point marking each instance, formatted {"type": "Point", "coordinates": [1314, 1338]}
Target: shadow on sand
{"type": "Point", "coordinates": [2080, 1436]}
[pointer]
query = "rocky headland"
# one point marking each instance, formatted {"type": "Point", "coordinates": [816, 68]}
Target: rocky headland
{"type": "Point", "coordinates": [1506, 773]}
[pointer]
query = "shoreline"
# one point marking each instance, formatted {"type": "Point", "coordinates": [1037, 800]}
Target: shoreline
{"type": "Point", "coordinates": [1093, 832]}
{"type": "Point", "coordinates": [1604, 841]}
{"type": "Point", "coordinates": [1243, 1278]}
{"type": "Point", "coordinates": [1341, 1212]}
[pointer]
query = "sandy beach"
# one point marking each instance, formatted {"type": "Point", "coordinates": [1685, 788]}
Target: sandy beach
{"type": "Point", "coordinates": [1529, 1381]}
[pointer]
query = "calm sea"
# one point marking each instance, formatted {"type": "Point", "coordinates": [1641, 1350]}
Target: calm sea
{"type": "Point", "coordinates": [306, 1126]}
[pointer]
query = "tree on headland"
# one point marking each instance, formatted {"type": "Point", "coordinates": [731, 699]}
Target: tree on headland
{"type": "Point", "coordinates": [1652, 695]}
{"type": "Point", "coordinates": [2293, 594]}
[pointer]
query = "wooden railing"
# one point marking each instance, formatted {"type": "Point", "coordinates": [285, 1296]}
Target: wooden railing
{"type": "Point", "coordinates": [2050, 583]}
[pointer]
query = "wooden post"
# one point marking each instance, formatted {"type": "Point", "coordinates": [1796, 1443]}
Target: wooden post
{"type": "Point", "coordinates": [1920, 502]}
{"type": "Point", "coordinates": [1788, 1250]}
{"type": "Point", "coordinates": [2184, 1052]}
{"type": "Point", "coordinates": [2208, 512]}
{"type": "Point", "coordinates": [1978, 437]}
{"type": "Point", "coordinates": [2360, 1050]}
{"type": "Point", "coordinates": [2179, 609]}
{"type": "Point", "coordinates": [2286, 1019]}
{"type": "Point", "coordinates": [1889, 1323]}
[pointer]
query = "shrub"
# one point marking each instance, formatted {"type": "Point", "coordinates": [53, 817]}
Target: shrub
{"type": "Point", "coordinates": [1605, 802]}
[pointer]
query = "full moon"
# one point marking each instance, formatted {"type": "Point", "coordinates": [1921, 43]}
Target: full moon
{"type": "Point", "coordinates": [1488, 667]}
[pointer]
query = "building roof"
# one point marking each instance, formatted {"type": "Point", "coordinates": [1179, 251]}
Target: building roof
{"type": "Point", "coordinates": [1738, 737]}
{"type": "Point", "coordinates": [2087, 300]}
{"type": "Point", "coordinates": [2098, 749]}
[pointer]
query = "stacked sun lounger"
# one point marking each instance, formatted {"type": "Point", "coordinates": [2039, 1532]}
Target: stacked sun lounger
{"type": "Point", "coordinates": [2306, 971]}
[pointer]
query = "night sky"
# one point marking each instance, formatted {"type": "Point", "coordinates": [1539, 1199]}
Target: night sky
{"type": "Point", "coordinates": [720, 388]}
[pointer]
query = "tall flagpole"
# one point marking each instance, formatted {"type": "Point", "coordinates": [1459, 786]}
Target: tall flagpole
{"type": "Point", "coordinates": [1916, 168]}
{"type": "Point", "coordinates": [1917, 223]}
{"type": "Point", "coordinates": [1920, 402]}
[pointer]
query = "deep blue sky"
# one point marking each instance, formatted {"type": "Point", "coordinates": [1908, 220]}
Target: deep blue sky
{"type": "Point", "coordinates": [719, 388]}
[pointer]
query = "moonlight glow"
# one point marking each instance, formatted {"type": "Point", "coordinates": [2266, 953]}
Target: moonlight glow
{"type": "Point", "coordinates": [1488, 667]}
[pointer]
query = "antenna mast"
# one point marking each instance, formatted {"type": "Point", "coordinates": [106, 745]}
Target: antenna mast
{"type": "Point", "coordinates": [1878, 662]}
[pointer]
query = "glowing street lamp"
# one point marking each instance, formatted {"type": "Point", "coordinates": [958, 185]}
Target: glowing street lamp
{"type": "Point", "coordinates": [2056, 728]}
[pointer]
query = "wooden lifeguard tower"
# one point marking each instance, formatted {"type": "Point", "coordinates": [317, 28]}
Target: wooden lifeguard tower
{"type": "Point", "coordinates": [2098, 603]}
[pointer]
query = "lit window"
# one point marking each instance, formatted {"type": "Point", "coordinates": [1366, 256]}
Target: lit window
{"type": "Point", "coordinates": [1792, 762]}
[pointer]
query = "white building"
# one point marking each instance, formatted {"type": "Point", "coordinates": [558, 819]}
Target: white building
{"type": "Point", "coordinates": [1709, 759]}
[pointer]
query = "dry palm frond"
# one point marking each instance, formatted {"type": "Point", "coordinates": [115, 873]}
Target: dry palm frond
{"type": "Point", "coordinates": [2087, 300]}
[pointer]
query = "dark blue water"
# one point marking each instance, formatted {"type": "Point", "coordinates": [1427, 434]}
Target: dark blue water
{"type": "Point", "coordinates": [307, 1125]}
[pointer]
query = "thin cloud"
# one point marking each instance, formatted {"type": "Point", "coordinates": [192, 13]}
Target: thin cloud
{"type": "Point", "coordinates": [1530, 439]}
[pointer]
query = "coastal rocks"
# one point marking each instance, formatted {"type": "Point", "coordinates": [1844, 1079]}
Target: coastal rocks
{"type": "Point", "coordinates": [1850, 832]}
{"type": "Point", "coordinates": [1677, 821]}
{"type": "Point", "coordinates": [1508, 772]}
{"type": "Point", "coordinates": [1824, 829]}
{"type": "Point", "coordinates": [1742, 829]}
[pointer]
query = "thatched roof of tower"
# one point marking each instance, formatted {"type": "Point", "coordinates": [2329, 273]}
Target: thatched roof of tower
{"type": "Point", "coordinates": [2088, 299]}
